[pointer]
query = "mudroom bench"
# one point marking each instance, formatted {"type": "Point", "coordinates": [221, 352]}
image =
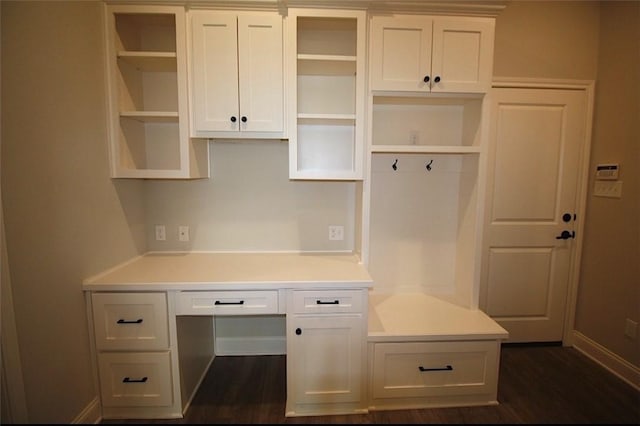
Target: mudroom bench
{"type": "Point", "coordinates": [425, 352]}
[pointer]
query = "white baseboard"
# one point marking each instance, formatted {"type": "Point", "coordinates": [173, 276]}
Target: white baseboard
{"type": "Point", "coordinates": [272, 345]}
{"type": "Point", "coordinates": [90, 415]}
{"type": "Point", "coordinates": [612, 362]}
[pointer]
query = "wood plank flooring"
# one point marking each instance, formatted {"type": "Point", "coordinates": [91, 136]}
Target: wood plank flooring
{"type": "Point", "coordinates": [537, 384]}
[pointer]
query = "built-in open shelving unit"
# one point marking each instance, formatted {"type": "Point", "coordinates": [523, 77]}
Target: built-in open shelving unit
{"type": "Point", "coordinates": [326, 140]}
{"type": "Point", "coordinates": [148, 89]}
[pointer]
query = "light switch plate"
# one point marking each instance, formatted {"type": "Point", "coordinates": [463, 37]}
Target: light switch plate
{"type": "Point", "coordinates": [610, 189]}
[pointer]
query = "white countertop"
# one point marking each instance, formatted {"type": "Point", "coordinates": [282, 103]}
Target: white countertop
{"type": "Point", "coordinates": [232, 271]}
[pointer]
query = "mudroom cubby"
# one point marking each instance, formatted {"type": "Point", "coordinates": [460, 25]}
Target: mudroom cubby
{"type": "Point", "coordinates": [424, 224]}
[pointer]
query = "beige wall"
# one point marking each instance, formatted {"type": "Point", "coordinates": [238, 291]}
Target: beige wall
{"type": "Point", "coordinates": [65, 219]}
{"type": "Point", "coordinates": [547, 39]}
{"type": "Point", "coordinates": [609, 290]}
{"type": "Point", "coordinates": [250, 204]}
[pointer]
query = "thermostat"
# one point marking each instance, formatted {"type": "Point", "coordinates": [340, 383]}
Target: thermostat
{"type": "Point", "coordinates": [607, 172]}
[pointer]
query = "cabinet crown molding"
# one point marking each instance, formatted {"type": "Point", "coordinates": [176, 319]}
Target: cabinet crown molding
{"type": "Point", "coordinates": [489, 8]}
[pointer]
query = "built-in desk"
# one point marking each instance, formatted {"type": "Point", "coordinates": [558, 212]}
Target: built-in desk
{"type": "Point", "coordinates": [152, 329]}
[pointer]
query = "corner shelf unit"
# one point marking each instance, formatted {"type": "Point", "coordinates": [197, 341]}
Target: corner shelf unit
{"type": "Point", "coordinates": [327, 94]}
{"type": "Point", "coordinates": [148, 93]}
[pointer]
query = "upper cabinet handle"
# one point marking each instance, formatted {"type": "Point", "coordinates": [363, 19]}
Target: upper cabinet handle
{"type": "Point", "coordinates": [437, 79]}
{"type": "Point", "coordinates": [233, 118]}
{"type": "Point", "coordinates": [244, 119]}
{"type": "Point", "coordinates": [426, 79]}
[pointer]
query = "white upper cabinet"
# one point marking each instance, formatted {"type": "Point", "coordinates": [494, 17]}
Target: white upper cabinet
{"type": "Point", "coordinates": [431, 54]}
{"type": "Point", "coordinates": [236, 73]}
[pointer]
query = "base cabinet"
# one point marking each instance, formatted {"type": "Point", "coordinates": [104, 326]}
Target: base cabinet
{"type": "Point", "coordinates": [326, 353]}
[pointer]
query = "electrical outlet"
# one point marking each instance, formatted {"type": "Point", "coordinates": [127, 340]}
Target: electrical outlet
{"type": "Point", "coordinates": [336, 232]}
{"type": "Point", "coordinates": [631, 329]}
{"type": "Point", "coordinates": [183, 233]}
{"type": "Point", "coordinates": [161, 233]}
{"type": "Point", "coordinates": [414, 137]}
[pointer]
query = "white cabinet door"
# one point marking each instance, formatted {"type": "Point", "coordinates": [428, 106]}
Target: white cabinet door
{"type": "Point", "coordinates": [325, 359]}
{"type": "Point", "coordinates": [215, 72]}
{"type": "Point", "coordinates": [237, 74]}
{"type": "Point", "coordinates": [261, 73]}
{"type": "Point", "coordinates": [462, 55]}
{"type": "Point", "coordinates": [401, 53]}
{"type": "Point", "coordinates": [431, 54]}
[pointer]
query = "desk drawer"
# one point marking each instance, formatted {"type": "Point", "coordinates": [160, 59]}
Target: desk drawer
{"type": "Point", "coordinates": [227, 302]}
{"type": "Point", "coordinates": [327, 301]}
{"type": "Point", "coordinates": [422, 369]}
{"type": "Point", "coordinates": [133, 379]}
{"type": "Point", "coordinates": [130, 321]}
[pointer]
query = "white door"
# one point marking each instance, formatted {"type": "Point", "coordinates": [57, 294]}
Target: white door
{"type": "Point", "coordinates": [536, 143]}
{"type": "Point", "coordinates": [260, 73]}
{"type": "Point", "coordinates": [401, 53]}
{"type": "Point", "coordinates": [215, 72]}
{"type": "Point", "coordinates": [326, 365]}
{"type": "Point", "coordinates": [462, 57]}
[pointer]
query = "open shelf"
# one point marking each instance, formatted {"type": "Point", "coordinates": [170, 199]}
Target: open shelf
{"type": "Point", "coordinates": [426, 124]}
{"type": "Point", "coordinates": [150, 61]}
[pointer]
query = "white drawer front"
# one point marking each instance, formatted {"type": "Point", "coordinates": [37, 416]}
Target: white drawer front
{"type": "Point", "coordinates": [327, 301]}
{"type": "Point", "coordinates": [227, 302]}
{"type": "Point", "coordinates": [434, 369]}
{"type": "Point", "coordinates": [131, 379]}
{"type": "Point", "coordinates": [130, 321]}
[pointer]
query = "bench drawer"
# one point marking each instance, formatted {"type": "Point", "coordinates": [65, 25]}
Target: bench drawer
{"type": "Point", "coordinates": [227, 302]}
{"type": "Point", "coordinates": [423, 369]}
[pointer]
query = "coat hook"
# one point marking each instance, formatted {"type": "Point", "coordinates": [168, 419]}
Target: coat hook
{"type": "Point", "coordinates": [395, 165]}
{"type": "Point", "coordinates": [429, 165]}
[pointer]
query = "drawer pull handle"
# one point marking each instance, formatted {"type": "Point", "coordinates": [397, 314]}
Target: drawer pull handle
{"type": "Point", "coordinates": [447, 368]}
{"type": "Point", "coordinates": [128, 380]}
{"type": "Point", "coordinates": [229, 303]}
{"type": "Point", "coordinates": [320, 302]}
{"type": "Point", "coordinates": [123, 321]}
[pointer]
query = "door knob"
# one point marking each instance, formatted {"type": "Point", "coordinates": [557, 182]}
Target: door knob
{"type": "Point", "coordinates": [565, 235]}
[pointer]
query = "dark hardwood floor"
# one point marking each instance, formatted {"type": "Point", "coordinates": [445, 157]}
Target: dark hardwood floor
{"type": "Point", "coordinates": [537, 384]}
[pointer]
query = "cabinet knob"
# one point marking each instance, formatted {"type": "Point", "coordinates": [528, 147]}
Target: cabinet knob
{"type": "Point", "coordinates": [244, 119]}
{"type": "Point", "coordinates": [426, 79]}
{"type": "Point", "coordinates": [233, 119]}
{"type": "Point", "coordinates": [298, 331]}
{"type": "Point", "coordinates": [437, 79]}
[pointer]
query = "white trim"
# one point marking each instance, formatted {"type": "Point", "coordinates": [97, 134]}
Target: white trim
{"type": "Point", "coordinates": [90, 414]}
{"type": "Point", "coordinates": [588, 86]}
{"type": "Point", "coordinates": [607, 359]}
